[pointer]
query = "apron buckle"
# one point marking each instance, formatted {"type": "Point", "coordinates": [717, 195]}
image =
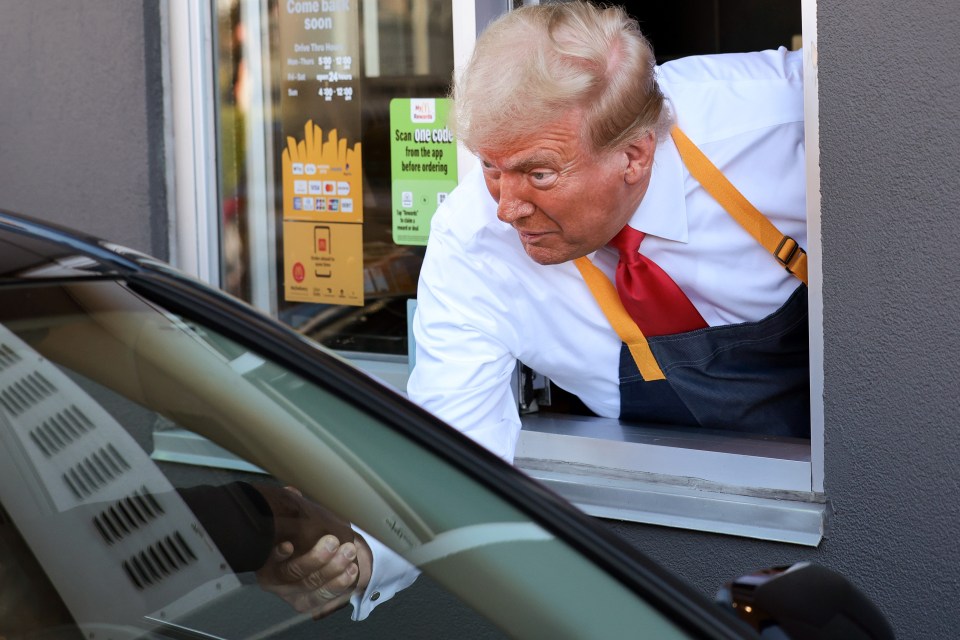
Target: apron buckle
{"type": "Point", "coordinates": [789, 253]}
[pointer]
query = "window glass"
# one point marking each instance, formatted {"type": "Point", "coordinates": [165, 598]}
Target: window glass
{"type": "Point", "coordinates": [324, 258]}
{"type": "Point", "coordinates": [107, 537]}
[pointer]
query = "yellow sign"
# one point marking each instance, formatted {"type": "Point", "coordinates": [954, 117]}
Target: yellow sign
{"type": "Point", "coordinates": [322, 180]}
{"type": "Point", "coordinates": [323, 262]}
{"type": "Point", "coordinates": [323, 219]}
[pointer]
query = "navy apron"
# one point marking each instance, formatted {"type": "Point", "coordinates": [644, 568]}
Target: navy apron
{"type": "Point", "coordinates": [751, 377]}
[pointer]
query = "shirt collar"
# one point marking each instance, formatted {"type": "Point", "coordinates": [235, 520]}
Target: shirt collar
{"type": "Point", "coordinates": [663, 210]}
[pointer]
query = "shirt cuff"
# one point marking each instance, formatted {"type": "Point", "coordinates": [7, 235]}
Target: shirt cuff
{"type": "Point", "coordinates": [390, 574]}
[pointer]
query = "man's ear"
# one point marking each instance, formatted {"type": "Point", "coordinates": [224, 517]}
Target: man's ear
{"type": "Point", "coordinates": [639, 154]}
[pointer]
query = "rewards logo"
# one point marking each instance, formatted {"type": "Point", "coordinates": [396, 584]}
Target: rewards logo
{"type": "Point", "coordinates": [423, 110]}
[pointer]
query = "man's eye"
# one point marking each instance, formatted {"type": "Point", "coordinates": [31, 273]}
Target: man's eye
{"type": "Point", "coordinates": [490, 171]}
{"type": "Point", "coordinates": [542, 178]}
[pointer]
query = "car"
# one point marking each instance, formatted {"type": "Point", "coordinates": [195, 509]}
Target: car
{"type": "Point", "coordinates": [127, 389]}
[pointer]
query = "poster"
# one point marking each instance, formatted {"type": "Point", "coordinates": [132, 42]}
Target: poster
{"type": "Point", "coordinates": [321, 159]}
{"type": "Point", "coordinates": [324, 262]}
{"type": "Point", "coordinates": [423, 162]}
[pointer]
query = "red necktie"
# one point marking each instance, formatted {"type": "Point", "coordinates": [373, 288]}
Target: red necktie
{"type": "Point", "coordinates": [650, 296]}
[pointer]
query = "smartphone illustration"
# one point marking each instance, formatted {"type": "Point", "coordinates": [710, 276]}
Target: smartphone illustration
{"type": "Point", "coordinates": [321, 249]}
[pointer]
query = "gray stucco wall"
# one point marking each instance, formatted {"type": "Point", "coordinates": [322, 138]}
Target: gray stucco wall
{"type": "Point", "coordinates": [81, 117]}
{"type": "Point", "coordinates": [889, 79]}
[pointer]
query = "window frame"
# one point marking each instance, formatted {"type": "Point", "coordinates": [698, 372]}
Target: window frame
{"type": "Point", "coordinates": [780, 489]}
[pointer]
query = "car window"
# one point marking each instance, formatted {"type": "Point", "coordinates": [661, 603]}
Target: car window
{"type": "Point", "coordinates": [118, 543]}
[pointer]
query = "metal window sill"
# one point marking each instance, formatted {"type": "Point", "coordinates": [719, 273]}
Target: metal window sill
{"type": "Point", "coordinates": [750, 486]}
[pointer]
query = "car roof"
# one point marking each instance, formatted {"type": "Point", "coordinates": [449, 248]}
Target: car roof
{"type": "Point", "coordinates": [36, 250]}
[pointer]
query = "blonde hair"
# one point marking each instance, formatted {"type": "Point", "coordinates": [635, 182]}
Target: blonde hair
{"type": "Point", "coordinates": [534, 64]}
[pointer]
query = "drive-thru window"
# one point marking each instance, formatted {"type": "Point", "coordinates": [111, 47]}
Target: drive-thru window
{"type": "Point", "coordinates": [311, 150]}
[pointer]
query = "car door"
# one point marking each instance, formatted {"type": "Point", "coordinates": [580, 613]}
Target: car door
{"type": "Point", "coordinates": [94, 372]}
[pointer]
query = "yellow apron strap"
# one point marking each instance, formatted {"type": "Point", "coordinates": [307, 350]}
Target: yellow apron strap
{"type": "Point", "coordinates": [784, 248]}
{"type": "Point", "coordinates": [609, 301]}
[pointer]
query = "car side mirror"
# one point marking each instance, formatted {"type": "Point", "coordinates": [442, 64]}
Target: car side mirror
{"type": "Point", "coordinates": [804, 602]}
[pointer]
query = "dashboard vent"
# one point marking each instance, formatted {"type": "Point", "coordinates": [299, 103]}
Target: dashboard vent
{"type": "Point", "coordinates": [95, 471]}
{"type": "Point", "coordinates": [158, 561]}
{"type": "Point", "coordinates": [26, 393]}
{"type": "Point", "coordinates": [59, 430]}
{"type": "Point", "coordinates": [8, 357]}
{"type": "Point", "coordinates": [126, 515]}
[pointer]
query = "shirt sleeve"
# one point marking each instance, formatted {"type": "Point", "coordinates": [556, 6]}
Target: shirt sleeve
{"type": "Point", "coordinates": [390, 574]}
{"type": "Point", "coordinates": [463, 365]}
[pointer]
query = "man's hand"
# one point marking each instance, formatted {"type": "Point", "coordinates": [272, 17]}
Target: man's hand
{"type": "Point", "coordinates": [317, 561]}
{"type": "Point", "coordinates": [319, 581]}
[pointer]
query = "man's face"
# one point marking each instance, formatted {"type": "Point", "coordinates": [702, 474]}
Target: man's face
{"type": "Point", "coordinates": [563, 200]}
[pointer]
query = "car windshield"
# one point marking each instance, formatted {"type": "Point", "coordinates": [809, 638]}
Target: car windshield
{"type": "Point", "coordinates": [104, 534]}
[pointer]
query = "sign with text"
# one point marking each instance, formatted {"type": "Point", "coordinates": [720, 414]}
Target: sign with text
{"type": "Point", "coordinates": [423, 161]}
{"type": "Point", "coordinates": [321, 160]}
{"type": "Point", "coordinates": [323, 262]}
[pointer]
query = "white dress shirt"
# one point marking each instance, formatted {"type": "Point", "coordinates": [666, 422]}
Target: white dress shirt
{"type": "Point", "coordinates": [483, 303]}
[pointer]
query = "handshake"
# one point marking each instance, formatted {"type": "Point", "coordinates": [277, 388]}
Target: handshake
{"type": "Point", "coordinates": [300, 551]}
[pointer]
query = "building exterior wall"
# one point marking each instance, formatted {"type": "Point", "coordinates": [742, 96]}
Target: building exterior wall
{"type": "Point", "coordinates": [81, 143]}
{"type": "Point", "coordinates": [889, 121]}
{"type": "Point", "coordinates": [81, 117]}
